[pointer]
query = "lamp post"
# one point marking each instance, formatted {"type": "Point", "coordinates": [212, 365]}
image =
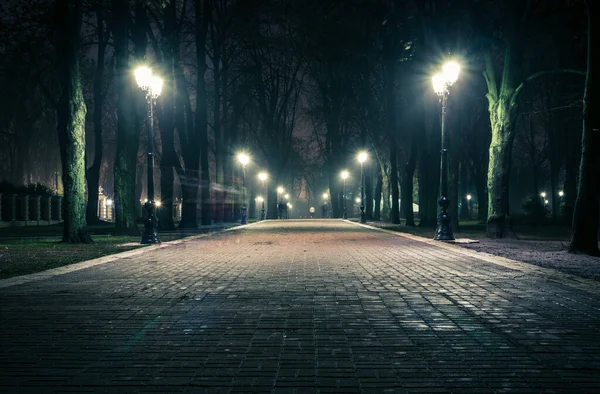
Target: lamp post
{"type": "Point", "coordinates": [469, 197]}
{"type": "Point", "coordinates": [362, 157]}
{"type": "Point", "coordinates": [263, 177]}
{"type": "Point", "coordinates": [152, 86]}
{"type": "Point", "coordinates": [280, 190]}
{"type": "Point", "coordinates": [441, 86]}
{"type": "Point", "coordinates": [261, 200]}
{"type": "Point", "coordinates": [243, 159]}
{"type": "Point", "coordinates": [325, 210]}
{"type": "Point", "coordinates": [345, 175]}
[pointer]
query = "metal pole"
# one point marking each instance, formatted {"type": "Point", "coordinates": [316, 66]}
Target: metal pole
{"type": "Point", "coordinates": [243, 219]}
{"type": "Point", "coordinates": [344, 200]}
{"type": "Point", "coordinates": [150, 234]}
{"type": "Point", "coordinates": [262, 215]}
{"type": "Point", "coordinates": [362, 194]}
{"type": "Point", "coordinates": [443, 231]}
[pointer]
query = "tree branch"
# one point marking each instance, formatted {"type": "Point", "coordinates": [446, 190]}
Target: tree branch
{"type": "Point", "coordinates": [536, 75]}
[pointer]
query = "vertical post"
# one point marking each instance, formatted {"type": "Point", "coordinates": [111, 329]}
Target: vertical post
{"type": "Point", "coordinates": [262, 214]}
{"type": "Point", "coordinates": [150, 234]}
{"type": "Point", "coordinates": [362, 194]}
{"type": "Point", "coordinates": [443, 231]}
{"type": "Point", "coordinates": [243, 219]}
{"type": "Point", "coordinates": [345, 216]}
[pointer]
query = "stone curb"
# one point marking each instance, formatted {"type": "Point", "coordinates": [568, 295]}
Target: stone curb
{"type": "Point", "coordinates": [552, 274]}
{"type": "Point", "coordinates": [22, 279]}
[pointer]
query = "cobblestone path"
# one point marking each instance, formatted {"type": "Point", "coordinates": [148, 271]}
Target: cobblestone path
{"type": "Point", "coordinates": [303, 306]}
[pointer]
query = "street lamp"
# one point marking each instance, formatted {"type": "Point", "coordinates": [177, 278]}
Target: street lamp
{"type": "Point", "coordinates": [243, 159]}
{"type": "Point", "coordinates": [362, 157]}
{"type": "Point", "coordinates": [345, 175]}
{"type": "Point", "coordinates": [561, 193]}
{"type": "Point", "coordinates": [152, 86]}
{"type": "Point", "coordinates": [280, 190]}
{"type": "Point", "coordinates": [469, 197]}
{"type": "Point", "coordinates": [441, 86]}
{"type": "Point", "coordinates": [263, 177]}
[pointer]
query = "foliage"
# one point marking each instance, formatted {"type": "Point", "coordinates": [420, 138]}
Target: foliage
{"type": "Point", "coordinates": [40, 189]}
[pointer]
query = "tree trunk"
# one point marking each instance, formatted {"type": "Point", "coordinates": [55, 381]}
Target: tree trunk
{"type": "Point", "coordinates": [408, 185]}
{"type": "Point", "coordinates": [203, 12]}
{"type": "Point", "coordinates": [126, 137]}
{"type": "Point", "coordinates": [377, 197]}
{"type": "Point", "coordinates": [93, 173]}
{"type": "Point", "coordinates": [586, 216]}
{"type": "Point", "coordinates": [369, 193]}
{"type": "Point", "coordinates": [71, 121]}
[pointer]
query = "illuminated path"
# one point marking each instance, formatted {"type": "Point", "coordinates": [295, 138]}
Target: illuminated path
{"type": "Point", "coordinates": [303, 306]}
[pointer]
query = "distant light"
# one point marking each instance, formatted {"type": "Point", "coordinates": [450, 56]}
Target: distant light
{"type": "Point", "coordinates": [157, 203]}
{"type": "Point", "coordinates": [543, 194]}
{"type": "Point", "coordinates": [357, 200]}
{"type": "Point", "coordinates": [312, 210]}
{"type": "Point", "coordinates": [362, 157]}
{"type": "Point", "coordinates": [290, 206]}
{"type": "Point", "coordinates": [263, 176]}
{"type": "Point", "coordinates": [326, 196]}
{"type": "Point", "coordinates": [561, 193]}
{"type": "Point", "coordinates": [469, 197]}
{"type": "Point", "coordinates": [345, 174]}
{"type": "Point", "coordinates": [109, 202]}
{"type": "Point", "coordinates": [286, 196]}
{"type": "Point", "coordinates": [546, 202]}
{"type": "Point", "coordinates": [260, 199]}
{"type": "Point", "coordinates": [280, 189]}
{"type": "Point", "coordinates": [243, 158]}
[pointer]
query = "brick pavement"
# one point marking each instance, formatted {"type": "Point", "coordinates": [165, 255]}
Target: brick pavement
{"type": "Point", "coordinates": [302, 306]}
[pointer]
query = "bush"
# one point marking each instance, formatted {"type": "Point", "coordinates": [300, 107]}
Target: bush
{"type": "Point", "coordinates": [535, 211]}
{"type": "Point", "coordinates": [39, 189]}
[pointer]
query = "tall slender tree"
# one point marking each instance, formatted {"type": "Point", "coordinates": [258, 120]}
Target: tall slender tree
{"type": "Point", "coordinates": [71, 113]}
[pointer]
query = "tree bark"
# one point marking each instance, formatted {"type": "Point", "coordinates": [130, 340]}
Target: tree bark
{"type": "Point", "coordinates": [93, 173]}
{"type": "Point", "coordinates": [203, 13]}
{"type": "Point", "coordinates": [378, 193]}
{"type": "Point", "coordinates": [71, 113]}
{"type": "Point", "coordinates": [586, 216]}
{"type": "Point", "coordinates": [126, 137]}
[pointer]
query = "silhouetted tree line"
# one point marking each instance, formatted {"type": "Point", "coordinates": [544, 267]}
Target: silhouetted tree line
{"type": "Point", "coordinates": [303, 85]}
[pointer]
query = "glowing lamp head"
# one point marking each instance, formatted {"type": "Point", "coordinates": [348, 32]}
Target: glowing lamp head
{"type": "Point", "coordinates": [546, 202]}
{"type": "Point", "coordinates": [156, 84]}
{"type": "Point", "coordinates": [561, 193]}
{"type": "Point", "coordinates": [143, 77]}
{"type": "Point", "coordinates": [469, 197]}
{"type": "Point", "coordinates": [157, 203]}
{"type": "Point", "coordinates": [345, 175]}
{"type": "Point", "coordinates": [260, 199]}
{"type": "Point", "coordinates": [451, 71]}
{"type": "Point", "coordinates": [325, 196]}
{"type": "Point", "coordinates": [263, 176]}
{"type": "Point", "coordinates": [280, 190]}
{"type": "Point", "coordinates": [286, 196]}
{"type": "Point", "coordinates": [109, 202]}
{"type": "Point", "coordinates": [362, 157]}
{"type": "Point", "coordinates": [543, 194]}
{"type": "Point", "coordinates": [357, 200]}
{"type": "Point", "coordinates": [439, 83]}
{"type": "Point", "coordinates": [243, 158]}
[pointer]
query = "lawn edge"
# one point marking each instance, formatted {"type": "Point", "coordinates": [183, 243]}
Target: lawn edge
{"type": "Point", "coordinates": [65, 269]}
{"type": "Point", "coordinates": [557, 276]}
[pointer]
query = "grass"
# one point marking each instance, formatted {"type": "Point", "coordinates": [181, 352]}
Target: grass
{"type": "Point", "coordinates": [26, 250]}
{"type": "Point", "coordinates": [475, 230]}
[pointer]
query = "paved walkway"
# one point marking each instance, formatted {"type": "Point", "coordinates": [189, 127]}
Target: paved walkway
{"type": "Point", "coordinates": [302, 306]}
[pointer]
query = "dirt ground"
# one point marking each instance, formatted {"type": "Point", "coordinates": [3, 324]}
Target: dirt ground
{"type": "Point", "coordinates": [544, 246]}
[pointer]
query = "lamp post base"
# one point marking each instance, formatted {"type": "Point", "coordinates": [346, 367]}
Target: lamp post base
{"type": "Point", "coordinates": [363, 219]}
{"type": "Point", "coordinates": [262, 214]}
{"type": "Point", "coordinates": [344, 216]}
{"type": "Point", "coordinates": [243, 218]}
{"type": "Point", "coordinates": [150, 234]}
{"type": "Point", "coordinates": [443, 231]}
